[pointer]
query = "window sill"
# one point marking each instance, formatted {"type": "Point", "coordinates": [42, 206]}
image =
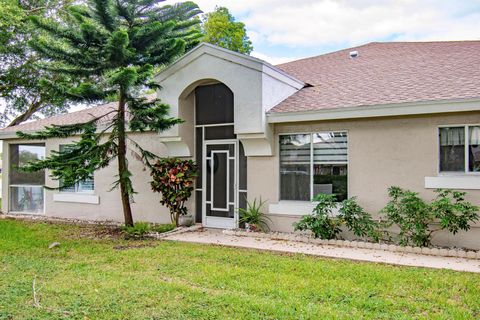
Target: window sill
{"type": "Point", "coordinates": [76, 198]}
{"type": "Point", "coordinates": [466, 182]}
{"type": "Point", "coordinates": [293, 208]}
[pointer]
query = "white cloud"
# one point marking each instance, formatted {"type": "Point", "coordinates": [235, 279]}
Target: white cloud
{"type": "Point", "coordinates": [329, 23]}
{"type": "Point", "coordinates": [273, 59]}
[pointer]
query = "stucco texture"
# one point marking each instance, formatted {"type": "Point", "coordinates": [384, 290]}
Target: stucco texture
{"type": "Point", "coordinates": [145, 207]}
{"type": "Point", "coordinates": [382, 152]}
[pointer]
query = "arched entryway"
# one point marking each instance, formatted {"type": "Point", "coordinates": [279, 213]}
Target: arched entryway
{"type": "Point", "coordinates": [221, 186]}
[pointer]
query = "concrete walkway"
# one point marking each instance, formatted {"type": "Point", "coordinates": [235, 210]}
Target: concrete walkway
{"type": "Point", "coordinates": [217, 237]}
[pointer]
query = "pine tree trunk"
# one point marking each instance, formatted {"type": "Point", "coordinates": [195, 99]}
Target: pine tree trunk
{"type": "Point", "coordinates": [122, 161]}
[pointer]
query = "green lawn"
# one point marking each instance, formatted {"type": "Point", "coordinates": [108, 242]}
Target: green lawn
{"type": "Point", "coordinates": [97, 275]}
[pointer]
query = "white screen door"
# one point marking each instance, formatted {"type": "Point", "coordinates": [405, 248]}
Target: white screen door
{"type": "Point", "coordinates": [220, 184]}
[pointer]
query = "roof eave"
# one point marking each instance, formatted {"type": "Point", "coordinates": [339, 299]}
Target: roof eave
{"type": "Point", "coordinates": [381, 110]}
{"type": "Point", "coordinates": [235, 57]}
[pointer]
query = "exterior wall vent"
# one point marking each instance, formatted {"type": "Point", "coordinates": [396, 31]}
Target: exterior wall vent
{"type": "Point", "coordinates": [353, 54]}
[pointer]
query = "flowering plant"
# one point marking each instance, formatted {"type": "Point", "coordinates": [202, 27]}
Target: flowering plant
{"type": "Point", "coordinates": [174, 179]}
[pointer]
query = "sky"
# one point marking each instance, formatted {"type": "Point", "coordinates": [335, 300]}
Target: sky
{"type": "Point", "coordinates": [285, 30]}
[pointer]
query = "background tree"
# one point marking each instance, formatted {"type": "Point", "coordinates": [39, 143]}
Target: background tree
{"type": "Point", "coordinates": [111, 47]}
{"type": "Point", "coordinates": [221, 29]}
{"type": "Point", "coordinates": [26, 91]}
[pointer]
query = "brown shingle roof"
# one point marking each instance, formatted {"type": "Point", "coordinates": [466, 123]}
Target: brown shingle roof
{"type": "Point", "coordinates": [386, 73]}
{"type": "Point", "coordinates": [67, 118]}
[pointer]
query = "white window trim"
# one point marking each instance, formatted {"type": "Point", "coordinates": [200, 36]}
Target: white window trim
{"type": "Point", "coordinates": [311, 161]}
{"type": "Point", "coordinates": [466, 171]}
{"type": "Point", "coordinates": [76, 198]}
{"type": "Point", "coordinates": [462, 180]}
{"type": "Point", "coordinates": [294, 208]}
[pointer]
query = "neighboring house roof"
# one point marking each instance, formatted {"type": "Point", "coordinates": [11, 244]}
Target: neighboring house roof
{"type": "Point", "coordinates": [62, 119]}
{"type": "Point", "coordinates": [385, 73]}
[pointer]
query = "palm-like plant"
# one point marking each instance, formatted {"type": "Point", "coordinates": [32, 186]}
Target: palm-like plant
{"type": "Point", "coordinates": [111, 48]}
{"type": "Point", "coordinates": [253, 217]}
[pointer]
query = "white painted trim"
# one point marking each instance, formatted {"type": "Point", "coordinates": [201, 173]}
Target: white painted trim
{"type": "Point", "coordinates": [384, 110]}
{"type": "Point", "coordinates": [234, 57]}
{"type": "Point", "coordinates": [466, 182]}
{"type": "Point", "coordinates": [295, 208]}
{"type": "Point", "coordinates": [76, 198]}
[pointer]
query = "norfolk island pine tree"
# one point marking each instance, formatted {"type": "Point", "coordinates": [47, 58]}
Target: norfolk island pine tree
{"type": "Point", "coordinates": [111, 48]}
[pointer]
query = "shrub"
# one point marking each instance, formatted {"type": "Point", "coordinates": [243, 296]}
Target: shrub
{"type": "Point", "coordinates": [254, 216]}
{"type": "Point", "coordinates": [357, 220]}
{"type": "Point", "coordinates": [415, 217]}
{"type": "Point", "coordinates": [174, 178]}
{"type": "Point", "coordinates": [453, 211]}
{"type": "Point", "coordinates": [161, 228]}
{"type": "Point", "coordinates": [139, 229]}
{"type": "Point", "coordinates": [410, 213]}
{"type": "Point", "coordinates": [320, 222]}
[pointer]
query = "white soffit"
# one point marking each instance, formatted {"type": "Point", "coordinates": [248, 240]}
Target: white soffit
{"type": "Point", "coordinates": [429, 107]}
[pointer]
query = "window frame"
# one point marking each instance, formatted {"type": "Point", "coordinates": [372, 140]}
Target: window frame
{"type": "Point", "coordinates": [466, 151]}
{"type": "Point", "coordinates": [7, 154]}
{"type": "Point", "coordinates": [311, 160]}
{"type": "Point", "coordinates": [76, 188]}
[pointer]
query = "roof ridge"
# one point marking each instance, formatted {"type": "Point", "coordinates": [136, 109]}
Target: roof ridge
{"type": "Point", "coordinates": [377, 43]}
{"type": "Point", "coordinates": [325, 54]}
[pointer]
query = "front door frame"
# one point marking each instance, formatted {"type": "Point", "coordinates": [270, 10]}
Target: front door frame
{"type": "Point", "coordinates": [219, 222]}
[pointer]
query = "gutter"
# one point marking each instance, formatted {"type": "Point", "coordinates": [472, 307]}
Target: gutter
{"type": "Point", "coordinates": [383, 110]}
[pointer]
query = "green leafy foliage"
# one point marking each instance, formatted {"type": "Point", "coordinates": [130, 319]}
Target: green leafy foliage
{"type": "Point", "coordinates": [162, 228]}
{"type": "Point", "coordinates": [173, 178]}
{"type": "Point", "coordinates": [254, 216]}
{"type": "Point", "coordinates": [26, 90]}
{"type": "Point", "coordinates": [411, 214]}
{"type": "Point", "coordinates": [415, 217]}
{"type": "Point", "coordinates": [140, 229]}
{"type": "Point", "coordinates": [110, 49]}
{"type": "Point", "coordinates": [321, 222]}
{"type": "Point", "coordinates": [453, 212]}
{"type": "Point", "coordinates": [357, 220]}
{"type": "Point", "coordinates": [221, 29]}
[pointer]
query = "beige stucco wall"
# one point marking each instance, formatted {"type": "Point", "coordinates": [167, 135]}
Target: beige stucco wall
{"type": "Point", "coordinates": [146, 205]}
{"type": "Point", "coordinates": [382, 152]}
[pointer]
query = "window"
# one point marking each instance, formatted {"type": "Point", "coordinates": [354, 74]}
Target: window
{"type": "Point", "coordinates": [460, 149]}
{"type": "Point", "coordinates": [26, 188]}
{"type": "Point", "coordinates": [313, 163]}
{"type": "Point", "coordinates": [85, 186]}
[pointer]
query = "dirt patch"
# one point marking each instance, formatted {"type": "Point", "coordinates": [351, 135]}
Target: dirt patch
{"type": "Point", "coordinates": [135, 246]}
{"type": "Point", "coordinates": [97, 232]}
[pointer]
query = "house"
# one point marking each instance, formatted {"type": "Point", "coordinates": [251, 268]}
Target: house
{"type": "Point", "coordinates": [352, 122]}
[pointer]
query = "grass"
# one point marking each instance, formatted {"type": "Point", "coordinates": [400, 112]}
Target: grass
{"type": "Point", "coordinates": [95, 274]}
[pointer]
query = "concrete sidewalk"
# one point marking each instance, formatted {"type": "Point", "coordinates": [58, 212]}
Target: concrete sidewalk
{"type": "Point", "coordinates": [217, 237]}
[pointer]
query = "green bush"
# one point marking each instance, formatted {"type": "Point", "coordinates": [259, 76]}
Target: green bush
{"type": "Point", "coordinates": [357, 220]}
{"type": "Point", "coordinates": [453, 211]}
{"type": "Point", "coordinates": [320, 222]}
{"type": "Point", "coordinates": [161, 228]}
{"type": "Point", "coordinates": [414, 217]}
{"type": "Point", "coordinates": [139, 229]}
{"type": "Point", "coordinates": [411, 214]}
